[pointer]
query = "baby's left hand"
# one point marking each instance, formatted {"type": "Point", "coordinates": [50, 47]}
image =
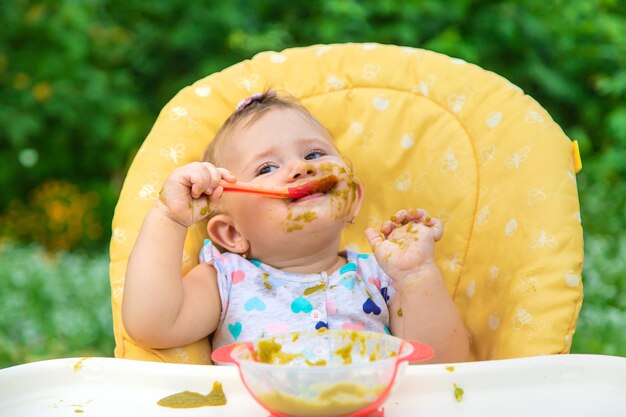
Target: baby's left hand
{"type": "Point", "coordinates": [405, 244]}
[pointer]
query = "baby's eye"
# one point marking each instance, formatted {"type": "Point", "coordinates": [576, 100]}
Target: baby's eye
{"type": "Point", "coordinates": [266, 168]}
{"type": "Point", "coordinates": [314, 154]}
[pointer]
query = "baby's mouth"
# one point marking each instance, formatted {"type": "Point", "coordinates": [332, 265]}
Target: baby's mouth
{"type": "Point", "coordinates": [315, 188]}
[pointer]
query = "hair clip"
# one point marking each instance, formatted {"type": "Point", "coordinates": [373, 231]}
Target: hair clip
{"type": "Point", "coordinates": [254, 97]}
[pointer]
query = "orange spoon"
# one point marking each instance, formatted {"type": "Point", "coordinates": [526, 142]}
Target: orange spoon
{"type": "Point", "coordinates": [318, 185]}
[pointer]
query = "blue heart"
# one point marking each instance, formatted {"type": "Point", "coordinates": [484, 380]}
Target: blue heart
{"type": "Point", "coordinates": [386, 329]}
{"type": "Point", "coordinates": [321, 324]}
{"type": "Point", "coordinates": [255, 303]}
{"type": "Point", "coordinates": [301, 305]}
{"type": "Point", "coordinates": [384, 291]}
{"type": "Point", "coordinates": [347, 282]}
{"type": "Point", "coordinates": [235, 329]}
{"type": "Point", "coordinates": [350, 266]}
{"type": "Point", "coordinates": [369, 306]}
{"type": "Point", "coordinates": [363, 255]}
{"type": "Point", "coordinates": [256, 262]}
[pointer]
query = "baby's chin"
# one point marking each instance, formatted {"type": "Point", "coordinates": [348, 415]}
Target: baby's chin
{"type": "Point", "coordinates": [315, 220]}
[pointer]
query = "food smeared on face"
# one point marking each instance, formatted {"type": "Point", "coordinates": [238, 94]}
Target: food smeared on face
{"type": "Point", "coordinates": [298, 222]}
{"type": "Point", "coordinates": [343, 198]}
{"type": "Point", "coordinates": [338, 183]}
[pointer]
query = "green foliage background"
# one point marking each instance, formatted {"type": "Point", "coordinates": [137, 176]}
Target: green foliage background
{"type": "Point", "coordinates": [82, 81]}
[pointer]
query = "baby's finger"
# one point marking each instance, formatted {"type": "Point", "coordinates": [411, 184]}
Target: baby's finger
{"type": "Point", "coordinates": [227, 175]}
{"type": "Point", "coordinates": [429, 221]}
{"type": "Point", "coordinates": [437, 228]}
{"type": "Point", "coordinates": [399, 217]}
{"type": "Point", "coordinates": [387, 227]}
{"type": "Point", "coordinates": [414, 215]}
{"type": "Point", "coordinates": [200, 181]}
{"type": "Point", "coordinates": [197, 190]}
{"type": "Point", "coordinates": [217, 193]}
{"type": "Point", "coordinates": [215, 176]}
{"type": "Point", "coordinates": [374, 238]}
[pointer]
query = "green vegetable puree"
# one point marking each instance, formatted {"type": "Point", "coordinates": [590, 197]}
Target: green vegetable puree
{"type": "Point", "coordinates": [337, 400]}
{"type": "Point", "coordinates": [458, 393]}
{"type": "Point", "coordinates": [190, 399]}
{"type": "Point", "coordinates": [270, 351]}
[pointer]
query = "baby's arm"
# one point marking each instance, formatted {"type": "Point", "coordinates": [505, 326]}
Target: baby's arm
{"type": "Point", "coordinates": [160, 309]}
{"type": "Point", "coordinates": [422, 308]}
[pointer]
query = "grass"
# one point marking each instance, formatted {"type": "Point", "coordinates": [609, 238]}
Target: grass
{"type": "Point", "coordinates": [55, 306]}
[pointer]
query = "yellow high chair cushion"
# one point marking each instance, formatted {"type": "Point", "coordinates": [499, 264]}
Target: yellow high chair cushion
{"type": "Point", "coordinates": [422, 130]}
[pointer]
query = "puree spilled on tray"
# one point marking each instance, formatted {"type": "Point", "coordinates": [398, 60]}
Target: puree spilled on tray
{"type": "Point", "coordinates": [190, 399]}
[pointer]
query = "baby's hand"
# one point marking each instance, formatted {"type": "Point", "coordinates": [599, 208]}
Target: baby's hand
{"type": "Point", "coordinates": [405, 244]}
{"type": "Point", "coordinates": [189, 191]}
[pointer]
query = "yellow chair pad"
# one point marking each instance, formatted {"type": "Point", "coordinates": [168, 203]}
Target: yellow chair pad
{"type": "Point", "coordinates": [422, 130]}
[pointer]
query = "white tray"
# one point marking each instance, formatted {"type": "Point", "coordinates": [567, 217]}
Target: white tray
{"type": "Point", "coordinates": [563, 385]}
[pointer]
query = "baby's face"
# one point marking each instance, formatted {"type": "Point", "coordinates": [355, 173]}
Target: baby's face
{"type": "Point", "coordinates": [285, 149]}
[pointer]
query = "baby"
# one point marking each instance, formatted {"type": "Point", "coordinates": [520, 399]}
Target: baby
{"type": "Point", "coordinates": [273, 265]}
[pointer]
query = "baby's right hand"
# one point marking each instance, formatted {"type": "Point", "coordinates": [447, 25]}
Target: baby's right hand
{"type": "Point", "coordinates": [189, 191]}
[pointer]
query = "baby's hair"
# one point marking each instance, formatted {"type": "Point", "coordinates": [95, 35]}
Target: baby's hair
{"type": "Point", "coordinates": [248, 111]}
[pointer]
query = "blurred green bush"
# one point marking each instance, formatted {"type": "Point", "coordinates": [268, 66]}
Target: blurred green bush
{"type": "Point", "coordinates": [53, 305]}
{"type": "Point", "coordinates": [602, 321]}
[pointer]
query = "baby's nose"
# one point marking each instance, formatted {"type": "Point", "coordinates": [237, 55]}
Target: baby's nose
{"type": "Point", "coordinates": [303, 169]}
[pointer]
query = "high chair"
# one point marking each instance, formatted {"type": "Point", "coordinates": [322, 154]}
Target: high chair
{"type": "Point", "coordinates": [422, 130]}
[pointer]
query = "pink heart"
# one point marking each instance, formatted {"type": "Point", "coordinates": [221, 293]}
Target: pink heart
{"type": "Point", "coordinates": [375, 282]}
{"type": "Point", "coordinates": [331, 307]}
{"type": "Point", "coordinates": [237, 277]}
{"type": "Point", "coordinates": [276, 328]}
{"type": "Point", "coordinates": [353, 326]}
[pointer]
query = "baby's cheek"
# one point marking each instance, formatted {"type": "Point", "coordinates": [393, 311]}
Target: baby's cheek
{"type": "Point", "coordinates": [337, 168]}
{"type": "Point", "coordinates": [347, 197]}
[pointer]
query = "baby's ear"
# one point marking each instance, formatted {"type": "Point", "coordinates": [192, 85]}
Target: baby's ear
{"type": "Point", "coordinates": [222, 231]}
